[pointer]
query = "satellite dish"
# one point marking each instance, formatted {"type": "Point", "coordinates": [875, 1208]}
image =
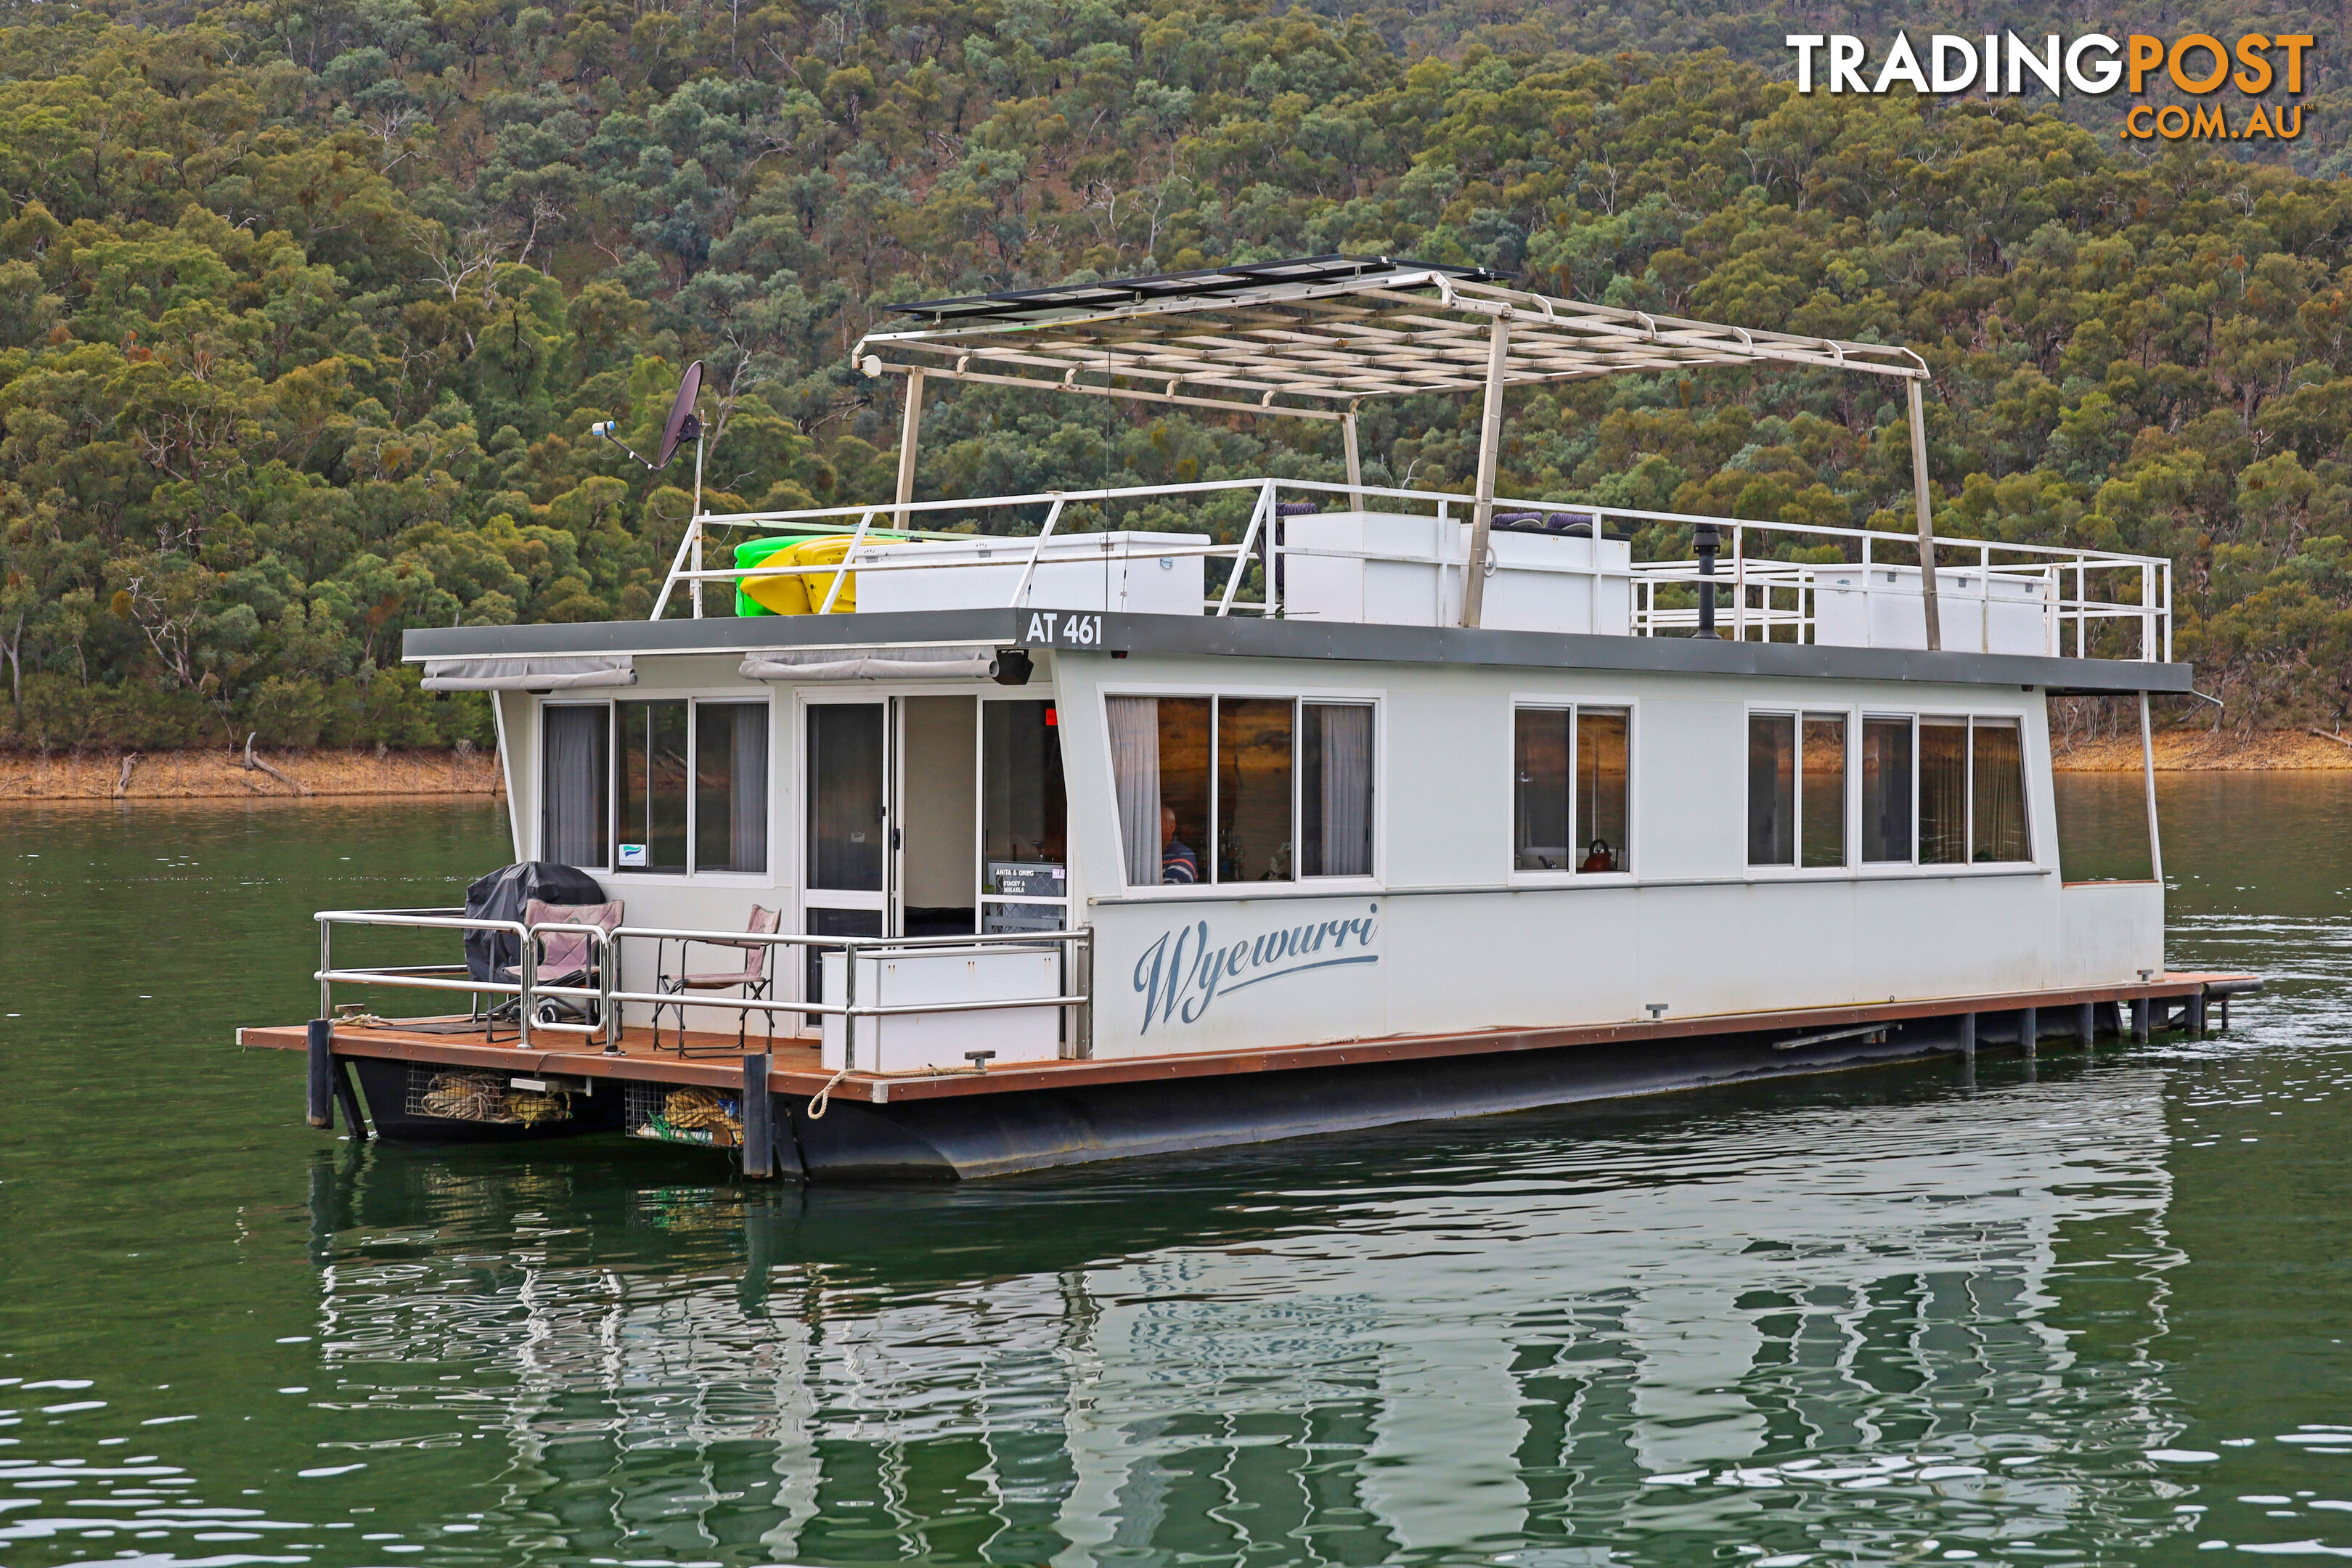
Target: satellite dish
{"type": "Point", "coordinates": [682, 426]}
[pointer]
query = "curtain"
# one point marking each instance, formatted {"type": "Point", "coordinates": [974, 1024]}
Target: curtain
{"type": "Point", "coordinates": [1135, 779]}
{"type": "Point", "coordinates": [747, 815]}
{"type": "Point", "coordinates": [1999, 764]}
{"type": "Point", "coordinates": [1943, 791]}
{"type": "Point", "coordinates": [1347, 790]}
{"type": "Point", "coordinates": [572, 782]}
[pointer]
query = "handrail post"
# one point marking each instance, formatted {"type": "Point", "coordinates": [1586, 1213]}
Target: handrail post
{"type": "Point", "coordinates": [326, 966]}
{"type": "Point", "coordinates": [608, 969]}
{"type": "Point", "coordinates": [1028, 570]}
{"type": "Point", "coordinates": [1738, 585]}
{"type": "Point", "coordinates": [1984, 600]}
{"type": "Point", "coordinates": [848, 1008]}
{"type": "Point", "coordinates": [841, 570]}
{"type": "Point", "coordinates": [1242, 552]}
{"type": "Point", "coordinates": [526, 973]}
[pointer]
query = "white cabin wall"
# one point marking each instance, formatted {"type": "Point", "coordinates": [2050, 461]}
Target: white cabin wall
{"type": "Point", "coordinates": [1462, 942]}
{"type": "Point", "coordinates": [1464, 945]}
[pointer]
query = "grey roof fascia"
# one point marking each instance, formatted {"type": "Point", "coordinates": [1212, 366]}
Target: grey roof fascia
{"type": "Point", "coordinates": [1250, 637]}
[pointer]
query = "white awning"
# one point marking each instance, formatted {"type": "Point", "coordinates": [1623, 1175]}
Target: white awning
{"type": "Point", "coordinates": [871, 663]}
{"type": "Point", "coordinates": [545, 674]}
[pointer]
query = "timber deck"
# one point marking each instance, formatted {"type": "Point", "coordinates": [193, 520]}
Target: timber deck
{"type": "Point", "coordinates": [794, 1068]}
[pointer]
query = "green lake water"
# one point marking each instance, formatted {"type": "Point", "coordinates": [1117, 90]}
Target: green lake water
{"type": "Point", "coordinates": [2102, 1314]}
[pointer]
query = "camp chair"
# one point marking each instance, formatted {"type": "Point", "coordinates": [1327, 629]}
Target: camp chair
{"type": "Point", "coordinates": [753, 974]}
{"type": "Point", "coordinates": [565, 960]}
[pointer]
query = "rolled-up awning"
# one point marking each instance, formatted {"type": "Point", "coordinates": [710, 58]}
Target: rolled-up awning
{"type": "Point", "coordinates": [548, 674]}
{"type": "Point", "coordinates": [975, 662]}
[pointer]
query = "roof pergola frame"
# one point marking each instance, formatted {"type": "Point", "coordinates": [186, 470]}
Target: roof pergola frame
{"type": "Point", "coordinates": [1316, 337]}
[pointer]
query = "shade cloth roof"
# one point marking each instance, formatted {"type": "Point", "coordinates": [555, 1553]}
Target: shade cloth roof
{"type": "Point", "coordinates": [1324, 332]}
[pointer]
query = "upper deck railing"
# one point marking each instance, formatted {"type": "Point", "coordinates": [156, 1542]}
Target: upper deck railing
{"type": "Point", "coordinates": [1771, 582]}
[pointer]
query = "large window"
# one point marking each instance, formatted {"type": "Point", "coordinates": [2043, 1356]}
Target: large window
{"type": "Point", "coordinates": [1943, 790]}
{"type": "Point", "coordinates": [665, 785]}
{"type": "Point", "coordinates": [1796, 789]}
{"type": "Point", "coordinates": [1242, 789]}
{"type": "Point", "coordinates": [1571, 770]}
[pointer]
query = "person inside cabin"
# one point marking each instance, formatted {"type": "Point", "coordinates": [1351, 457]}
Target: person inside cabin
{"type": "Point", "coordinates": [1177, 861]}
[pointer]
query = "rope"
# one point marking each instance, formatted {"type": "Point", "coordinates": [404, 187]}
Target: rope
{"type": "Point", "coordinates": [823, 1100]}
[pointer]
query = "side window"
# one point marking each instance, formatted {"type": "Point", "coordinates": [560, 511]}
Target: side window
{"type": "Point", "coordinates": [1241, 789]}
{"type": "Point", "coordinates": [1968, 775]}
{"type": "Point", "coordinates": [1603, 788]}
{"type": "Point", "coordinates": [1572, 789]}
{"type": "Point", "coordinates": [665, 784]}
{"type": "Point", "coordinates": [731, 786]}
{"type": "Point", "coordinates": [650, 832]}
{"type": "Point", "coordinates": [1997, 791]}
{"type": "Point", "coordinates": [574, 769]}
{"type": "Point", "coordinates": [1796, 789]}
{"type": "Point", "coordinates": [1335, 789]}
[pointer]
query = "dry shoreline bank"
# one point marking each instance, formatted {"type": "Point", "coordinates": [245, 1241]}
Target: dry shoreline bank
{"type": "Point", "coordinates": [217, 774]}
{"type": "Point", "coordinates": [2206, 751]}
{"type": "Point", "coordinates": [329, 774]}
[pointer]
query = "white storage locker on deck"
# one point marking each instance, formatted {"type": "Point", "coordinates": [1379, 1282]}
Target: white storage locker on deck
{"type": "Point", "coordinates": [1125, 571]}
{"type": "Point", "coordinates": [1540, 582]}
{"type": "Point", "coordinates": [940, 1042]}
{"type": "Point", "coordinates": [1884, 608]}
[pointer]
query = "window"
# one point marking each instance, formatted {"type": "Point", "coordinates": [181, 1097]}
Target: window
{"type": "Point", "coordinates": [1571, 770]}
{"type": "Point", "coordinates": [1023, 817]}
{"type": "Point", "coordinates": [1886, 790]}
{"type": "Point", "coordinates": [1771, 789]}
{"type": "Point", "coordinates": [731, 786]}
{"type": "Point", "coordinates": [1969, 779]}
{"type": "Point", "coordinates": [1997, 791]}
{"type": "Point", "coordinates": [664, 785]}
{"type": "Point", "coordinates": [1242, 789]}
{"type": "Point", "coordinates": [1335, 789]}
{"type": "Point", "coordinates": [1796, 789]}
{"type": "Point", "coordinates": [846, 799]}
{"type": "Point", "coordinates": [573, 774]}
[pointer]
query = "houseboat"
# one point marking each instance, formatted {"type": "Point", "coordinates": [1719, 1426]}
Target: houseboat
{"type": "Point", "coordinates": [991, 834]}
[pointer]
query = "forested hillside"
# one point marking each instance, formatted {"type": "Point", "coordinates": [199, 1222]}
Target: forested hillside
{"type": "Point", "coordinates": [305, 311]}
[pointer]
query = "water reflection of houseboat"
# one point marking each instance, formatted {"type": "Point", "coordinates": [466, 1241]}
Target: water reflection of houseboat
{"type": "Point", "coordinates": [1452, 1343]}
{"type": "Point", "coordinates": [1150, 819]}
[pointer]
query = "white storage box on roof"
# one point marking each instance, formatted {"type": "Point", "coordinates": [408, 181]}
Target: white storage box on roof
{"type": "Point", "coordinates": [1127, 570]}
{"type": "Point", "coordinates": [1884, 608]}
{"type": "Point", "coordinates": [1552, 582]}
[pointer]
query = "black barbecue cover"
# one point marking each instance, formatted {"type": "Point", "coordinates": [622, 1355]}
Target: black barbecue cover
{"type": "Point", "coordinates": [502, 895]}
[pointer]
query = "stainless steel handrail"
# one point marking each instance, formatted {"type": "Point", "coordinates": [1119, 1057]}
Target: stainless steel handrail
{"type": "Point", "coordinates": [528, 990]}
{"type": "Point", "coordinates": [2066, 604]}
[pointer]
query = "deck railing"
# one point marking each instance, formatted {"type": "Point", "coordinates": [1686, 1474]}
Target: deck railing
{"type": "Point", "coordinates": [1768, 577]}
{"type": "Point", "coordinates": [608, 995]}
